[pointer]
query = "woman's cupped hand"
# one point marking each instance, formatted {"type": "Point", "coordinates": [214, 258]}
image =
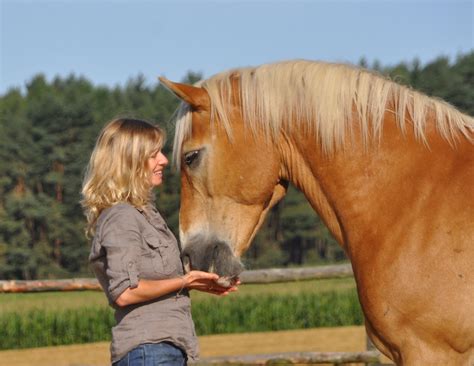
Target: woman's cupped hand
{"type": "Point", "coordinates": [207, 282]}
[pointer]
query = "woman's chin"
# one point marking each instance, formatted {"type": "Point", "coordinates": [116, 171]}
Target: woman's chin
{"type": "Point", "coordinates": [156, 182]}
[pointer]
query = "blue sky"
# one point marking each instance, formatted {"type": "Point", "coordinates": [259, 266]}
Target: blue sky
{"type": "Point", "coordinates": [110, 41]}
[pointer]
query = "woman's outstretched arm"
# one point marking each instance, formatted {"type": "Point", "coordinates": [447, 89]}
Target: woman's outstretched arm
{"type": "Point", "coordinates": [153, 289]}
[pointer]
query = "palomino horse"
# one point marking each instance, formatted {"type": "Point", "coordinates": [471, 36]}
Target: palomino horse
{"type": "Point", "coordinates": [388, 169]}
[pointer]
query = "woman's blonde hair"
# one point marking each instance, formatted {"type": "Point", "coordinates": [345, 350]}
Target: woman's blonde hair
{"type": "Point", "coordinates": [118, 167]}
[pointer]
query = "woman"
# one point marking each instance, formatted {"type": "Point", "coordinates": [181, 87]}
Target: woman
{"type": "Point", "coordinates": [134, 255]}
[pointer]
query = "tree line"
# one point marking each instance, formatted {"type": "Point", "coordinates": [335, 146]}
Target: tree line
{"type": "Point", "coordinates": [47, 133]}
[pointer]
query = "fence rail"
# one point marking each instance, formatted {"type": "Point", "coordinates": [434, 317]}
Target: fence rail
{"type": "Point", "coordinates": [292, 358]}
{"type": "Point", "coordinates": [248, 277]}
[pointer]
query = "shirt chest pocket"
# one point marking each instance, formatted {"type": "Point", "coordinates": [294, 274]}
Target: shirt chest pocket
{"type": "Point", "coordinates": [157, 255]}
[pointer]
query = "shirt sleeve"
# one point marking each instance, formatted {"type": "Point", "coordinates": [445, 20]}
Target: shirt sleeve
{"type": "Point", "coordinates": [121, 240]}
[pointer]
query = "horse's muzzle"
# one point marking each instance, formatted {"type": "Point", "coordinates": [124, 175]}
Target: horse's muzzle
{"type": "Point", "coordinates": [213, 256]}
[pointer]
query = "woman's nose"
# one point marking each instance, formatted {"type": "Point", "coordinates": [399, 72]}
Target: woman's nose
{"type": "Point", "coordinates": [163, 159]}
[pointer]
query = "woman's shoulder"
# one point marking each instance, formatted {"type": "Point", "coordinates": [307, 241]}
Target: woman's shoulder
{"type": "Point", "coordinates": [119, 208]}
{"type": "Point", "coordinates": [118, 214]}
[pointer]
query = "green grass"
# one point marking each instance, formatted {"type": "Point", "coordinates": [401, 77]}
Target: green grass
{"type": "Point", "coordinates": [36, 328]}
{"type": "Point", "coordinates": [246, 313]}
{"type": "Point", "coordinates": [289, 288]}
{"type": "Point", "coordinates": [50, 300]}
{"type": "Point", "coordinates": [54, 318]}
{"type": "Point", "coordinates": [269, 312]}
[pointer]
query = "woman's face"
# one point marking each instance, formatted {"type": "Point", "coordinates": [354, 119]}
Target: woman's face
{"type": "Point", "coordinates": [156, 164]}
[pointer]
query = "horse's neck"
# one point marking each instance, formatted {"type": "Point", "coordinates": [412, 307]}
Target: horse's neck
{"type": "Point", "coordinates": [299, 170]}
{"type": "Point", "coordinates": [359, 188]}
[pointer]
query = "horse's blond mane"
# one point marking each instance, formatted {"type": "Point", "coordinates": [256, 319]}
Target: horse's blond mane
{"type": "Point", "coordinates": [320, 98]}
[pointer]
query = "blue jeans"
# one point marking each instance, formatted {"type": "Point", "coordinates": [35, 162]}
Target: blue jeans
{"type": "Point", "coordinates": [151, 354]}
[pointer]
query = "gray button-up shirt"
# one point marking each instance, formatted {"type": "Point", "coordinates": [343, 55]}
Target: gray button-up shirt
{"type": "Point", "coordinates": [130, 245]}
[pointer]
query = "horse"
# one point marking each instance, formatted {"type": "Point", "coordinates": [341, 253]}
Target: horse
{"type": "Point", "coordinates": [388, 169]}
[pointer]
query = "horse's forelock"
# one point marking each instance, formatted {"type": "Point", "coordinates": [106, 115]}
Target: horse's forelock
{"type": "Point", "coordinates": [182, 131]}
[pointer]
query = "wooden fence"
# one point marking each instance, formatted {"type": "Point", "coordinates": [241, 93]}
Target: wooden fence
{"type": "Point", "coordinates": [370, 356]}
{"type": "Point", "coordinates": [249, 277]}
{"type": "Point", "coordinates": [292, 358]}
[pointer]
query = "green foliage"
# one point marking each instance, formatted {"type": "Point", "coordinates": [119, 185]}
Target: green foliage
{"type": "Point", "coordinates": [48, 132]}
{"type": "Point", "coordinates": [47, 136]}
{"type": "Point", "coordinates": [250, 313]}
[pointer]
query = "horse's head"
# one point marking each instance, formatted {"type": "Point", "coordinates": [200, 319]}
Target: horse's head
{"type": "Point", "coordinates": [230, 178]}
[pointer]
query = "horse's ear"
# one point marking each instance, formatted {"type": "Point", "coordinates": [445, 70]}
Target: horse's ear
{"type": "Point", "coordinates": [195, 96]}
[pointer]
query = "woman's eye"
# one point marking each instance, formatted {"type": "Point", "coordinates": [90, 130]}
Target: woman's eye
{"type": "Point", "coordinates": [191, 157]}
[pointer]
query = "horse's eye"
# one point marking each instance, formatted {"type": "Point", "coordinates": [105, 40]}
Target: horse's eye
{"type": "Point", "coordinates": [191, 157]}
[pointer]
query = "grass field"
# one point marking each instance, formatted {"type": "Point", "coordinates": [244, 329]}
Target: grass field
{"type": "Point", "coordinates": [66, 318]}
{"type": "Point", "coordinates": [78, 299]}
{"type": "Point", "coordinates": [342, 339]}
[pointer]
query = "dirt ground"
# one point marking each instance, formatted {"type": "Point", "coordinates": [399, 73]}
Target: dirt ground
{"type": "Point", "coordinates": [342, 339]}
